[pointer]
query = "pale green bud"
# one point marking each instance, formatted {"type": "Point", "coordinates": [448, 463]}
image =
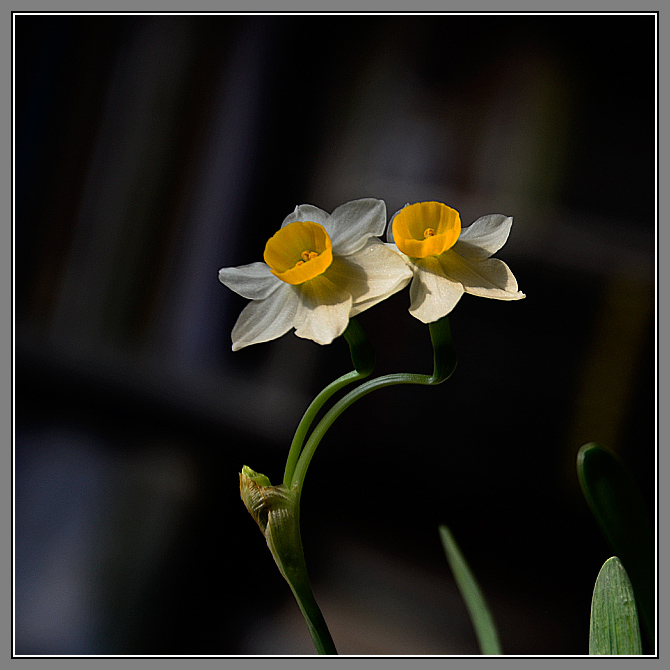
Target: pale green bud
{"type": "Point", "coordinates": [275, 510]}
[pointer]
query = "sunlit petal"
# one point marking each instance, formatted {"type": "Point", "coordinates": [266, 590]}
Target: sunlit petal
{"type": "Point", "coordinates": [266, 319]}
{"type": "Point", "coordinates": [484, 237]}
{"type": "Point", "coordinates": [254, 281]}
{"type": "Point", "coordinates": [386, 272]}
{"type": "Point", "coordinates": [323, 310]}
{"type": "Point", "coordinates": [432, 294]}
{"type": "Point", "coordinates": [351, 225]}
{"type": "Point", "coordinates": [489, 278]}
{"type": "Point", "coordinates": [307, 213]}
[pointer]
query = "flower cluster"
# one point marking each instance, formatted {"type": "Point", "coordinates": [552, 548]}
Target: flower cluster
{"type": "Point", "coordinates": [321, 269]}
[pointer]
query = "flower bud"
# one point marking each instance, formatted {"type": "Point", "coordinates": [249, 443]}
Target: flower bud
{"type": "Point", "coordinates": [275, 510]}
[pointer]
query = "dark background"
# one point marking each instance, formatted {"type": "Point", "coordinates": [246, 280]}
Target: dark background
{"type": "Point", "coordinates": [153, 150]}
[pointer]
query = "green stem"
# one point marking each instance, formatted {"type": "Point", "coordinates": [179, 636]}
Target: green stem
{"type": "Point", "coordinates": [276, 510]}
{"type": "Point", "coordinates": [316, 624]}
{"type": "Point", "coordinates": [444, 363]}
{"type": "Point", "coordinates": [362, 357]}
{"type": "Point", "coordinates": [308, 418]}
{"type": "Point", "coordinates": [339, 407]}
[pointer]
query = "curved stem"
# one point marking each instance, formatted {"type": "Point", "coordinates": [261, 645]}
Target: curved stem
{"type": "Point", "coordinates": [339, 407]}
{"type": "Point", "coordinates": [308, 418]}
{"type": "Point", "coordinates": [362, 357]}
{"type": "Point", "coordinates": [444, 364]}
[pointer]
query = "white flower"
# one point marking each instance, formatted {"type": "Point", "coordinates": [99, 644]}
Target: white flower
{"type": "Point", "coordinates": [320, 269]}
{"type": "Point", "coordinates": [448, 261]}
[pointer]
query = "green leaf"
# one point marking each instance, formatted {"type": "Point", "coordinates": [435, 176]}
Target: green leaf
{"type": "Point", "coordinates": [474, 599]}
{"type": "Point", "coordinates": [617, 504]}
{"type": "Point", "coordinates": [614, 624]}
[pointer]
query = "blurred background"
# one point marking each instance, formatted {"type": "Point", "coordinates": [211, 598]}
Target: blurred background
{"type": "Point", "coordinates": [153, 150]}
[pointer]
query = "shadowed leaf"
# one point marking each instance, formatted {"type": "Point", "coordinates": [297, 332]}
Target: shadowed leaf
{"type": "Point", "coordinates": [614, 624]}
{"type": "Point", "coordinates": [482, 620]}
{"type": "Point", "coordinates": [616, 503]}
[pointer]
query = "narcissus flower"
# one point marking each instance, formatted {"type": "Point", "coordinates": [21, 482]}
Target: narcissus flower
{"type": "Point", "coordinates": [320, 269]}
{"type": "Point", "coordinates": [448, 260]}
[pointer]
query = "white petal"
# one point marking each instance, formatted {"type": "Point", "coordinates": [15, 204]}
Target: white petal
{"type": "Point", "coordinates": [351, 225]}
{"type": "Point", "coordinates": [489, 278]}
{"type": "Point", "coordinates": [253, 281]}
{"type": "Point", "coordinates": [484, 237]}
{"type": "Point", "coordinates": [323, 312]}
{"type": "Point", "coordinates": [405, 257]}
{"type": "Point", "coordinates": [345, 275]}
{"type": "Point", "coordinates": [432, 295]}
{"type": "Point", "coordinates": [267, 319]}
{"type": "Point", "coordinates": [385, 271]}
{"type": "Point", "coordinates": [307, 213]}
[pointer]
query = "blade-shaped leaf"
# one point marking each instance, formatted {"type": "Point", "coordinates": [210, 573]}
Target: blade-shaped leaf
{"type": "Point", "coordinates": [617, 505]}
{"type": "Point", "coordinates": [472, 595]}
{"type": "Point", "coordinates": [614, 624]}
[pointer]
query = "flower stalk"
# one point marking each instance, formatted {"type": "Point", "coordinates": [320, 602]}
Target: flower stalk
{"type": "Point", "coordinates": [444, 364]}
{"type": "Point", "coordinates": [363, 358]}
{"type": "Point", "coordinates": [276, 509]}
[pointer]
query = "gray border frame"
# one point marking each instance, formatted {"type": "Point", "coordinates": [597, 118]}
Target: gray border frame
{"type": "Point", "coordinates": [374, 6]}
